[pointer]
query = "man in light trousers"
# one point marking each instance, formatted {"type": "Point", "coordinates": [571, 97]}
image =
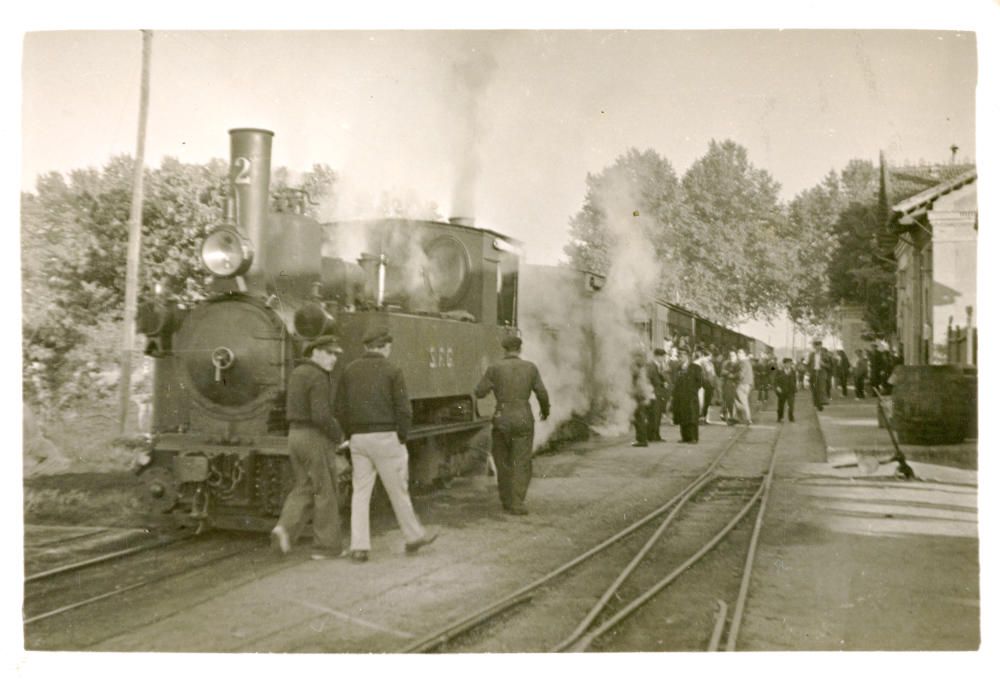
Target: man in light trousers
{"type": "Point", "coordinates": [744, 386]}
{"type": "Point", "coordinates": [375, 411]}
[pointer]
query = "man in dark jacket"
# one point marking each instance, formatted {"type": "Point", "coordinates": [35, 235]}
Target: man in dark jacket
{"type": "Point", "coordinates": [659, 402]}
{"type": "Point", "coordinates": [860, 372]}
{"type": "Point", "coordinates": [820, 364]}
{"type": "Point", "coordinates": [375, 411]}
{"type": "Point", "coordinates": [687, 381]}
{"type": "Point", "coordinates": [842, 366]}
{"type": "Point", "coordinates": [512, 380]}
{"type": "Point", "coordinates": [785, 383]}
{"type": "Point", "coordinates": [313, 436]}
{"type": "Point", "coordinates": [662, 365]}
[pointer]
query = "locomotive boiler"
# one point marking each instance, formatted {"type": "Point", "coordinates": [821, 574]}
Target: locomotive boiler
{"type": "Point", "coordinates": [447, 292]}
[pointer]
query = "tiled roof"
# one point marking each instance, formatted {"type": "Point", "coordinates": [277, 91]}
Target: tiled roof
{"type": "Point", "coordinates": [907, 181]}
{"type": "Point", "coordinates": [929, 195]}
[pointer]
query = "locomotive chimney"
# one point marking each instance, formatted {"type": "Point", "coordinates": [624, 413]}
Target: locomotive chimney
{"type": "Point", "coordinates": [250, 174]}
{"type": "Point", "coordinates": [463, 221]}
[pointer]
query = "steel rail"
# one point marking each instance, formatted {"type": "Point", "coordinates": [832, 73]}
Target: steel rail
{"type": "Point", "coordinates": [584, 642]}
{"type": "Point", "coordinates": [104, 558]}
{"type": "Point", "coordinates": [630, 568]}
{"type": "Point", "coordinates": [734, 625]}
{"type": "Point", "coordinates": [720, 623]}
{"type": "Point", "coordinates": [130, 587]}
{"type": "Point", "coordinates": [579, 641]}
{"type": "Point", "coordinates": [454, 629]}
{"type": "Point", "coordinates": [90, 533]}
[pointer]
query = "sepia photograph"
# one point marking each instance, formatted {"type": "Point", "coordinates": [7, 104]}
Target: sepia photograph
{"type": "Point", "coordinates": [511, 338]}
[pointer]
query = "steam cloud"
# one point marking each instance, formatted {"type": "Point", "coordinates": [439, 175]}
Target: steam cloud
{"type": "Point", "coordinates": [583, 347]}
{"type": "Point", "coordinates": [472, 75]}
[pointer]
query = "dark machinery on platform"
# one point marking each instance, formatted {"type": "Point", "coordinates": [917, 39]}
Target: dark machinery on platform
{"type": "Point", "coordinates": [446, 291]}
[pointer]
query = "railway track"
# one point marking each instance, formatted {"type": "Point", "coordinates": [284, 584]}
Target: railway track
{"type": "Point", "coordinates": [74, 565]}
{"type": "Point", "coordinates": [695, 509]}
{"type": "Point", "coordinates": [70, 587]}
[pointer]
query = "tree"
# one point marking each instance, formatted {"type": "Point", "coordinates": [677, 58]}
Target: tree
{"type": "Point", "coordinates": [812, 214]}
{"type": "Point", "coordinates": [725, 247]}
{"type": "Point", "coordinates": [74, 236]}
{"type": "Point", "coordinates": [841, 218]}
{"type": "Point", "coordinates": [646, 183]}
{"type": "Point", "coordinates": [737, 240]}
{"type": "Point", "coordinates": [858, 275]}
{"type": "Point", "coordinates": [318, 183]}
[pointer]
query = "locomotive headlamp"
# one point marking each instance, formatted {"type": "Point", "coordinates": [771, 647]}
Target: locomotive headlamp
{"type": "Point", "coordinates": [226, 253]}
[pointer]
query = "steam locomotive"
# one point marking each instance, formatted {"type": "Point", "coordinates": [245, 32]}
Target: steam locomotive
{"type": "Point", "coordinates": [446, 291]}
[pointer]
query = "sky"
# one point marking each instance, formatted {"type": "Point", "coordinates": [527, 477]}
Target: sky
{"type": "Point", "coordinates": [525, 114]}
{"type": "Point", "coordinates": [389, 110]}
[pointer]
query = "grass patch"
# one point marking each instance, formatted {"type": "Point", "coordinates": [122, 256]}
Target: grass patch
{"type": "Point", "coordinates": [88, 479]}
{"type": "Point", "coordinates": [101, 499]}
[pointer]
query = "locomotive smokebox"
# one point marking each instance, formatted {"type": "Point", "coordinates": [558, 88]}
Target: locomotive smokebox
{"type": "Point", "coordinates": [250, 175]}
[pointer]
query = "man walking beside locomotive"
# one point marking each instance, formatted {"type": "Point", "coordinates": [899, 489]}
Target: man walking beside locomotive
{"type": "Point", "coordinates": [313, 436]}
{"type": "Point", "coordinates": [375, 411]}
{"type": "Point", "coordinates": [512, 380]}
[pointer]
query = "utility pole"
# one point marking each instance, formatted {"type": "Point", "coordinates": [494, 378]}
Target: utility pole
{"type": "Point", "coordinates": [134, 240]}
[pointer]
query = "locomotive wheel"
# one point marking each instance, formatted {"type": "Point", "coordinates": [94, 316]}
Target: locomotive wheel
{"type": "Point", "coordinates": [158, 489]}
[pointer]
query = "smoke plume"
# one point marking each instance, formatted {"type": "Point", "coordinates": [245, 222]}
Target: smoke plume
{"type": "Point", "coordinates": [472, 73]}
{"type": "Point", "coordinates": [584, 348]}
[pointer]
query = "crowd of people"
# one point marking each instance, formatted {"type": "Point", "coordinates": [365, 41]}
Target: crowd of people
{"type": "Point", "coordinates": [368, 414]}
{"type": "Point", "coordinates": [686, 383]}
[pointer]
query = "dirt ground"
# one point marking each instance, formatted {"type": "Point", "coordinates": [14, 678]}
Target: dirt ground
{"type": "Point", "coordinates": [846, 562]}
{"type": "Point", "coordinates": [867, 562]}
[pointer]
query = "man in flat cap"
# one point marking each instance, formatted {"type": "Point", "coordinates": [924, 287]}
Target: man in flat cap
{"type": "Point", "coordinates": [374, 408]}
{"type": "Point", "coordinates": [784, 387]}
{"type": "Point", "coordinates": [512, 380]}
{"type": "Point", "coordinates": [313, 436]}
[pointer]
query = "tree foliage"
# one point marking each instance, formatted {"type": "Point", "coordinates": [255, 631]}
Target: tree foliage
{"type": "Point", "coordinates": [719, 234]}
{"type": "Point", "coordinates": [738, 236]}
{"type": "Point", "coordinates": [74, 233]}
{"type": "Point", "coordinates": [653, 192]}
{"type": "Point", "coordinates": [727, 247]}
{"type": "Point", "coordinates": [842, 217]}
{"type": "Point", "coordinates": [811, 214]}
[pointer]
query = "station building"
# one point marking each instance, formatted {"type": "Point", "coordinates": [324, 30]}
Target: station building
{"type": "Point", "coordinates": [935, 231]}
